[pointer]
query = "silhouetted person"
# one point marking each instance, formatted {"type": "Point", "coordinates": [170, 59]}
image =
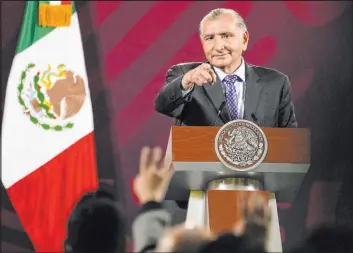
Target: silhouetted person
{"type": "Point", "coordinates": [96, 225]}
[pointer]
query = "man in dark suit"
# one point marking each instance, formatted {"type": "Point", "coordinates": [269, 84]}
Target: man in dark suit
{"type": "Point", "coordinates": [225, 88]}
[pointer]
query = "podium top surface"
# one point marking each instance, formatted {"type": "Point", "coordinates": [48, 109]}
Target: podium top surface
{"type": "Point", "coordinates": [191, 152]}
{"type": "Point", "coordinates": [196, 144]}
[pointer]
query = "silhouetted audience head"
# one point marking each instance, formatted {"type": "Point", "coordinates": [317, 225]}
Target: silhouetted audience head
{"type": "Point", "coordinates": [224, 243]}
{"type": "Point", "coordinates": [96, 224]}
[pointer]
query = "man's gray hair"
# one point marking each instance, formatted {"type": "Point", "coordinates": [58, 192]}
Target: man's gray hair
{"type": "Point", "coordinates": [213, 14]}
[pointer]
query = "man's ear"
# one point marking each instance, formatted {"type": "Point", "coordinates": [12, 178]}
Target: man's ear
{"type": "Point", "coordinates": [245, 40]}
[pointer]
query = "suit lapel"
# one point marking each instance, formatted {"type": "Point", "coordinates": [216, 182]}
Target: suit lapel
{"type": "Point", "coordinates": [216, 94]}
{"type": "Point", "coordinates": [252, 92]}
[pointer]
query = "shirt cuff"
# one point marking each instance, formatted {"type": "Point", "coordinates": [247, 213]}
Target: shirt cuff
{"type": "Point", "coordinates": [185, 92]}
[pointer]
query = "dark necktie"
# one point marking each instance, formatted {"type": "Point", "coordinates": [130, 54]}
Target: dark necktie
{"type": "Point", "coordinates": [231, 95]}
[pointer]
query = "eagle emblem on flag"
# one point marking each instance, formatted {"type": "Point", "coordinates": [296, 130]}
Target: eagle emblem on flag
{"type": "Point", "coordinates": [50, 98]}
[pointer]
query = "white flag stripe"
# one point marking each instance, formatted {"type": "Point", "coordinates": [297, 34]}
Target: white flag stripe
{"type": "Point", "coordinates": [54, 2]}
{"type": "Point", "coordinates": [25, 146]}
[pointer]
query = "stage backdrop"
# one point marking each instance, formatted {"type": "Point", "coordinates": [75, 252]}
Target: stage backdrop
{"type": "Point", "coordinates": [130, 45]}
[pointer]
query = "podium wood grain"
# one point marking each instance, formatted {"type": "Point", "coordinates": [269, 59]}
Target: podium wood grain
{"type": "Point", "coordinates": [225, 208]}
{"type": "Point", "coordinates": [196, 144]}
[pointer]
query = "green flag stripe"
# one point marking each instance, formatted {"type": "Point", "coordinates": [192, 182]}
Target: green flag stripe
{"type": "Point", "coordinates": [30, 31]}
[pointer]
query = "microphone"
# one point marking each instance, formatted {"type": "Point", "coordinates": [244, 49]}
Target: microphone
{"type": "Point", "coordinates": [219, 111]}
{"type": "Point", "coordinates": [253, 116]}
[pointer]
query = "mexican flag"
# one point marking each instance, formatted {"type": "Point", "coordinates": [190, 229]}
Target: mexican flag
{"type": "Point", "coordinates": [47, 142]}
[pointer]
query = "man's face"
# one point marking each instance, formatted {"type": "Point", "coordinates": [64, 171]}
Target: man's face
{"type": "Point", "coordinates": [223, 41]}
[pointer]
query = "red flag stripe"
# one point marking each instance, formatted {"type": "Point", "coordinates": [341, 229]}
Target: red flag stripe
{"type": "Point", "coordinates": [49, 193]}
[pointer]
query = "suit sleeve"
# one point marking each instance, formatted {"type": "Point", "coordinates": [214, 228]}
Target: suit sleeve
{"type": "Point", "coordinates": [149, 226]}
{"type": "Point", "coordinates": [171, 98]}
{"type": "Point", "coordinates": [287, 116]}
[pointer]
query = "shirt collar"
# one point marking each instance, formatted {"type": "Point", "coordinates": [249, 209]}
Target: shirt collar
{"type": "Point", "coordinates": [240, 72]}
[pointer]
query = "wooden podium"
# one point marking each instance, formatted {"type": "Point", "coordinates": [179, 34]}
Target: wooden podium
{"type": "Point", "coordinates": [215, 191]}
